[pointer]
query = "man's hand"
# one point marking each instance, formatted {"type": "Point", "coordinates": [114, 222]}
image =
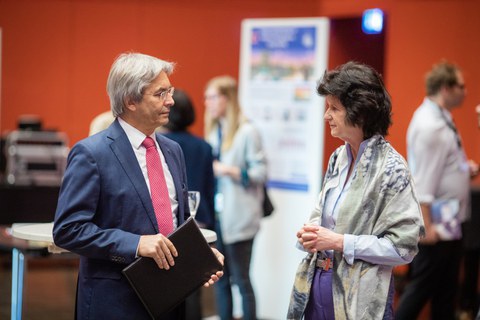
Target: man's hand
{"type": "Point", "coordinates": [215, 277]}
{"type": "Point", "coordinates": [473, 167]}
{"type": "Point", "coordinates": [159, 248]}
{"type": "Point", "coordinates": [431, 236]}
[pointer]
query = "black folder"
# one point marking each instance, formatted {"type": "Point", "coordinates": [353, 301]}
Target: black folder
{"type": "Point", "coordinates": [161, 290]}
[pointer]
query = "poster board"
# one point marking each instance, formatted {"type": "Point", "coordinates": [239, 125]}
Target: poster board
{"type": "Point", "coordinates": [281, 62]}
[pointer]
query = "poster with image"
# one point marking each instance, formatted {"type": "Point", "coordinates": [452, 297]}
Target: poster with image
{"type": "Point", "coordinates": [281, 62]}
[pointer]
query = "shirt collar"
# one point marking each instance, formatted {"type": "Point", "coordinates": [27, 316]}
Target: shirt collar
{"type": "Point", "coordinates": [362, 147]}
{"type": "Point", "coordinates": [135, 136]}
{"type": "Point", "coordinates": [435, 106]}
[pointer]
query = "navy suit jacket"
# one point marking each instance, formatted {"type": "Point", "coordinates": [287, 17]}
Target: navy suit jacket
{"type": "Point", "coordinates": [103, 208]}
{"type": "Point", "coordinates": [200, 177]}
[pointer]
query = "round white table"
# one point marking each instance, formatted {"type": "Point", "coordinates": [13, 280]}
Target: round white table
{"type": "Point", "coordinates": [33, 231]}
{"type": "Point", "coordinates": [43, 232]}
{"type": "Point", "coordinates": [210, 236]}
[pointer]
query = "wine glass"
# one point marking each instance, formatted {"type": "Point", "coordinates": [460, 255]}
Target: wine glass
{"type": "Point", "coordinates": [193, 202]}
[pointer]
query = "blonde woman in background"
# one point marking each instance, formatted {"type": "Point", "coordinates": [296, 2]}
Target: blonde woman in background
{"type": "Point", "coordinates": [240, 171]}
{"type": "Point", "coordinates": [101, 122]}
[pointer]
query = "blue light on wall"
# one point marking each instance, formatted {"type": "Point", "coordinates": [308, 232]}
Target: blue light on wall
{"type": "Point", "coordinates": [372, 22]}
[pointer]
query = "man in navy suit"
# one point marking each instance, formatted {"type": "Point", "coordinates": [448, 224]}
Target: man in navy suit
{"type": "Point", "coordinates": [105, 212]}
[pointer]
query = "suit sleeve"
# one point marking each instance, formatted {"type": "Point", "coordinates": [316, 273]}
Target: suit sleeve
{"type": "Point", "coordinates": [78, 227]}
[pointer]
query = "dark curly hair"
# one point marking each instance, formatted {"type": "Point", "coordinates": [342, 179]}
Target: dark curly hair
{"type": "Point", "coordinates": [361, 91]}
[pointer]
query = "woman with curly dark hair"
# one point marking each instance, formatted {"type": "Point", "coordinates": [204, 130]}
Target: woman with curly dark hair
{"type": "Point", "coordinates": [367, 218]}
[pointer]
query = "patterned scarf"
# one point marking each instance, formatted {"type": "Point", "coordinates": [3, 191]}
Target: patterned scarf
{"type": "Point", "coordinates": [381, 201]}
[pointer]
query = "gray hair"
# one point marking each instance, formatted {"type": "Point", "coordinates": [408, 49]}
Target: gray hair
{"type": "Point", "coordinates": [130, 74]}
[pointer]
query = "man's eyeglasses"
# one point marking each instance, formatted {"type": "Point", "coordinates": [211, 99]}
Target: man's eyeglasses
{"type": "Point", "coordinates": [162, 94]}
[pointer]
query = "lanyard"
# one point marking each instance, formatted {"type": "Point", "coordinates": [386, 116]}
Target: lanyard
{"type": "Point", "coordinates": [451, 125]}
{"type": "Point", "coordinates": [218, 149]}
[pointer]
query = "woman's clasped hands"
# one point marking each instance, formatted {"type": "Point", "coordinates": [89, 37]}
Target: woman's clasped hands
{"type": "Point", "coordinates": [315, 238]}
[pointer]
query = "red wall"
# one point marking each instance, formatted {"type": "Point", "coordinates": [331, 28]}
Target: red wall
{"type": "Point", "coordinates": [348, 42]}
{"type": "Point", "coordinates": [421, 33]}
{"type": "Point", "coordinates": [56, 53]}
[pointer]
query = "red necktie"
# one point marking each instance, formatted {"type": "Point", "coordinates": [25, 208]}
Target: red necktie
{"type": "Point", "coordinates": [158, 188]}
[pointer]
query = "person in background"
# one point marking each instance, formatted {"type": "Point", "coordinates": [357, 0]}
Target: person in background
{"type": "Point", "coordinates": [469, 296]}
{"type": "Point", "coordinates": [367, 218]}
{"type": "Point", "coordinates": [241, 171]}
{"type": "Point", "coordinates": [198, 156]}
{"type": "Point", "coordinates": [441, 172]}
{"type": "Point", "coordinates": [113, 206]}
{"type": "Point", "coordinates": [101, 122]}
{"type": "Point", "coordinates": [199, 161]}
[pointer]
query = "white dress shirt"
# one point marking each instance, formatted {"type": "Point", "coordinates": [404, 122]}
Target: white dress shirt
{"type": "Point", "coordinates": [136, 138]}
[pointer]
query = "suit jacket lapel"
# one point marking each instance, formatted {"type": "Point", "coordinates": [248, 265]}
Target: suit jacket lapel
{"type": "Point", "coordinates": [121, 147]}
{"type": "Point", "coordinates": [175, 172]}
